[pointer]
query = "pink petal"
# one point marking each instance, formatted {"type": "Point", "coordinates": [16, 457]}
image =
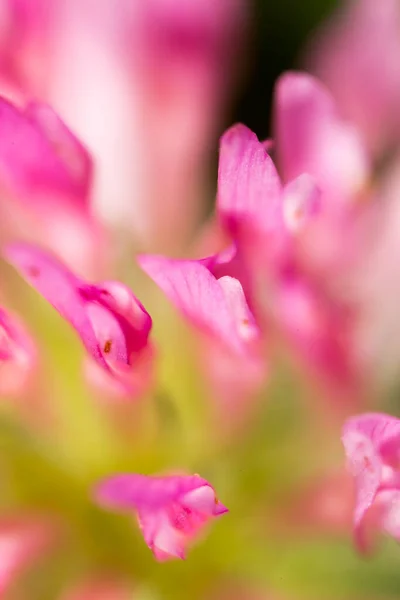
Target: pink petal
{"type": "Point", "coordinates": [145, 492]}
{"type": "Point", "coordinates": [362, 438]}
{"type": "Point", "coordinates": [112, 324]}
{"type": "Point", "coordinates": [17, 355]}
{"type": "Point", "coordinates": [38, 154]}
{"type": "Point", "coordinates": [389, 504]}
{"type": "Point", "coordinates": [244, 320]}
{"type": "Point", "coordinates": [59, 286]}
{"type": "Point", "coordinates": [73, 156]}
{"type": "Point", "coordinates": [248, 184]}
{"type": "Point", "coordinates": [171, 510]}
{"type": "Point", "coordinates": [191, 287]}
{"type": "Point", "coordinates": [301, 201]}
{"type": "Point", "coordinates": [311, 138]}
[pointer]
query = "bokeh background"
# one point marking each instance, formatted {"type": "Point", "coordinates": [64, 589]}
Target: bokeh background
{"type": "Point", "coordinates": [288, 535]}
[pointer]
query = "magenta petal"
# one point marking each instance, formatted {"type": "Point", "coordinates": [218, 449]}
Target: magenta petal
{"type": "Point", "coordinates": [248, 184]}
{"type": "Point", "coordinates": [363, 438]}
{"type": "Point", "coordinates": [142, 491]}
{"type": "Point", "coordinates": [112, 324]}
{"type": "Point", "coordinates": [72, 155]}
{"type": "Point", "coordinates": [59, 286]}
{"type": "Point", "coordinates": [171, 510]}
{"type": "Point", "coordinates": [38, 154]}
{"type": "Point", "coordinates": [191, 287]}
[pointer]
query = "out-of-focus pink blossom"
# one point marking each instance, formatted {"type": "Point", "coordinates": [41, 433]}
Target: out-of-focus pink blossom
{"type": "Point", "coordinates": [269, 223]}
{"type": "Point", "coordinates": [356, 55]}
{"type": "Point", "coordinates": [372, 446]}
{"type": "Point", "coordinates": [322, 506]}
{"type": "Point", "coordinates": [17, 355]}
{"type": "Point", "coordinates": [111, 322]}
{"type": "Point", "coordinates": [312, 138]}
{"type": "Point", "coordinates": [171, 510]}
{"type": "Point", "coordinates": [23, 541]}
{"type": "Point", "coordinates": [99, 588]}
{"type": "Point", "coordinates": [45, 177]}
{"type": "Point", "coordinates": [159, 70]}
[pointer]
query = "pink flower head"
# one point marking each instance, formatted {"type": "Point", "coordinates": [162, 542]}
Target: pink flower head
{"type": "Point", "coordinates": [372, 446]}
{"type": "Point", "coordinates": [111, 322]}
{"type": "Point", "coordinates": [312, 138]}
{"type": "Point", "coordinates": [17, 355]}
{"type": "Point", "coordinates": [356, 55]}
{"type": "Point", "coordinates": [269, 223]}
{"type": "Point", "coordinates": [171, 510]}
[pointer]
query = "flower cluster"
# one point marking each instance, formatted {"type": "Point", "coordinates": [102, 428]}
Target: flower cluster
{"type": "Point", "coordinates": [294, 279]}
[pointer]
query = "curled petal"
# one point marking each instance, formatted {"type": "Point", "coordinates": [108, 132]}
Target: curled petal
{"type": "Point", "coordinates": [171, 510]}
{"type": "Point", "coordinates": [59, 286]}
{"type": "Point", "coordinates": [112, 324]}
{"type": "Point", "coordinates": [363, 438]}
{"type": "Point", "coordinates": [191, 287]}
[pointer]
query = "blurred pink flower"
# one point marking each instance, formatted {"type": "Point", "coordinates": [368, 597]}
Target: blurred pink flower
{"type": "Point", "coordinates": [372, 446]}
{"type": "Point", "coordinates": [99, 588]}
{"type": "Point", "coordinates": [171, 510]}
{"type": "Point", "coordinates": [270, 223]}
{"type": "Point", "coordinates": [159, 70]}
{"type": "Point", "coordinates": [17, 355]}
{"type": "Point", "coordinates": [312, 138]}
{"type": "Point", "coordinates": [111, 322]}
{"type": "Point", "coordinates": [23, 541]}
{"type": "Point", "coordinates": [45, 177]}
{"type": "Point", "coordinates": [319, 507]}
{"type": "Point", "coordinates": [356, 55]}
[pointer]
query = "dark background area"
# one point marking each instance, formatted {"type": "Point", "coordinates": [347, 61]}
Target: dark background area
{"type": "Point", "coordinates": [278, 32]}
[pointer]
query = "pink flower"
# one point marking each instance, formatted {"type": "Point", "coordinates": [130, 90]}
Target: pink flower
{"type": "Point", "coordinates": [356, 55]}
{"type": "Point", "coordinates": [372, 446]}
{"type": "Point", "coordinates": [45, 175]}
{"type": "Point", "coordinates": [22, 542]}
{"type": "Point", "coordinates": [17, 355]}
{"type": "Point", "coordinates": [212, 292]}
{"type": "Point", "coordinates": [211, 296]}
{"type": "Point", "coordinates": [171, 510]}
{"type": "Point", "coordinates": [111, 322]}
{"type": "Point", "coordinates": [99, 588]}
{"type": "Point", "coordinates": [170, 60]}
{"type": "Point", "coordinates": [312, 138]}
{"type": "Point", "coordinates": [269, 223]}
